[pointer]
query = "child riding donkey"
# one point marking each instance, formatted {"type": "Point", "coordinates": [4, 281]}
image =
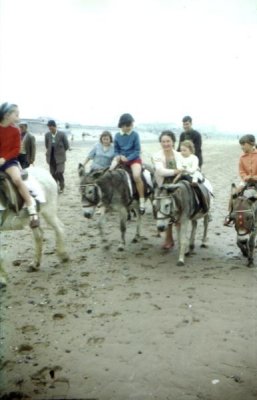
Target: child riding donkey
{"type": "Point", "coordinates": [127, 152]}
{"type": "Point", "coordinates": [10, 144]}
{"type": "Point", "coordinates": [247, 171]}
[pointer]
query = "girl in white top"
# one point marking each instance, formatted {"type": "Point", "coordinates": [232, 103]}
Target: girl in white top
{"type": "Point", "coordinates": [190, 165]}
{"type": "Point", "coordinates": [189, 162]}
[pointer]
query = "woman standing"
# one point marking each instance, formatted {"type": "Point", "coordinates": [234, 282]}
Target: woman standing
{"type": "Point", "coordinates": [102, 153]}
{"type": "Point", "coordinates": [10, 144]}
{"type": "Point", "coordinates": [165, 162]}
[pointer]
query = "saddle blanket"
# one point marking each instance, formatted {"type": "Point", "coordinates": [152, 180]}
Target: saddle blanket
{"type": "Point", "coordinates": [34, 188]}
{"type": "Point", "coordinates": [147, 176]}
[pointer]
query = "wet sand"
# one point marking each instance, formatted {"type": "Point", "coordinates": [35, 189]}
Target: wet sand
{"type": "Point", "coordinates": [113, 325]}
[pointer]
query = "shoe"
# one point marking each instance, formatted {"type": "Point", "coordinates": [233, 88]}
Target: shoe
{"type": "Point", "coordinates": [227, 221]}
{"type": "Point", "coordinates": [167, 246]}
{"type": "Point", "coordinates": [34, 221]}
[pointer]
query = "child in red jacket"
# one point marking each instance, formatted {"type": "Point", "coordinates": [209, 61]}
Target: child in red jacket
{"type": "Point", "coordinates": [10, 143]}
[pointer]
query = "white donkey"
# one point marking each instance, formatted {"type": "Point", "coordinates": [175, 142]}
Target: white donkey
{"type": "Point", "coordinates": [11, 219]}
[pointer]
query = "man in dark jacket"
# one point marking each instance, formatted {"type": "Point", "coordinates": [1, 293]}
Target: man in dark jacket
{"type": "Point", "coordinates": [28, 146]}
{"type": "Point", "coordinates": [56, 144]}
{"type": "Point", "coordinates": [194, 136]}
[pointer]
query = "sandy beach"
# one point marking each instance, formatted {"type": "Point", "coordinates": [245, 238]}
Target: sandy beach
{"type": "Point", "coordinates": [130, 325]}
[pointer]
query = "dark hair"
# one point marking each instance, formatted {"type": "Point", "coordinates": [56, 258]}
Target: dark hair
{"type": "Point", "coordinates": [187, 118]}
{"type": "Point", "coordinates": [189, 145]}
{"type": "Point", "coordinates": [250, 139]}
{"type": "Point", "coordinates": [51, 122]}
{"type": "Point", "coordinates": [6, 108]}
{"type": "Point", "coordinates": [106, 133]}
{"type": "Point", "coordinates": [168, 133]}
{"type": "Point", "coordinates": [125, 120]}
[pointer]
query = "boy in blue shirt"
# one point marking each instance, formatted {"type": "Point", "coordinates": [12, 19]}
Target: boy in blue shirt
{"type": "Point", "coordinates": [127, 150]}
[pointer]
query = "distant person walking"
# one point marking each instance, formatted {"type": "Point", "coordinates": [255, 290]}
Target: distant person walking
{"type": "Point", "coordinates": [102, 153]}
{"type": "Point", "coordinates": [56, 144]}
{"type": "Point", "coordinates": [28, 146]}
{"type": "Point", "coordinates": [190, 134]}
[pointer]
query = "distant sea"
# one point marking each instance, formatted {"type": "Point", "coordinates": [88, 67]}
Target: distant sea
{"type": "Point", "coordinates": [92, 135]}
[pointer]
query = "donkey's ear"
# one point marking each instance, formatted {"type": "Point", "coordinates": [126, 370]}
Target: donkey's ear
{"type": "Point", "coordinates": [81, 169]}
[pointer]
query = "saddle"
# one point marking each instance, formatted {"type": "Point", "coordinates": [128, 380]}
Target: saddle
{"type": "Point", "coordinates": [202, 197]}
{"type": "Point", "coordinates": [147, 176]}
{"type": "Point", "coordinates": [10, 198]}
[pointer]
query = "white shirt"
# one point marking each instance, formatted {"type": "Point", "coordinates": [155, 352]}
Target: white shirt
{"type": "Point", "coordinates": [190, 164]}
{"type": "Point", "coordinates": [161, 170]}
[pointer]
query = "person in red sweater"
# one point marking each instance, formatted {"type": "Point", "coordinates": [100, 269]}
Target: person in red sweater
{"type": "Point", "coordinates": [10, 144]}
{"type": "Point", "coordinates": [247, 168]}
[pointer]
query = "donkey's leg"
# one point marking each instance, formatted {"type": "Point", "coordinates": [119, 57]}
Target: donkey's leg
{"type": "Point", "coordinates": [183, 242]}
{"type": "Point", "coordinates": [123, 221]}
{"type": "Point", "coordinates": [38, 241]}
{"type": "Point", "coordinates": [243, 246]}
{"type": "Point", "coordinates": [3, 274]}
{"type": "Point", "coordinates": [206, 220]}
{"type": "Point", "coordinates": [56, 224]}
{"type": "Point", "coordinates": [251, 244]}
{"type": "Point", "coordinates": [138, 229]}
{"type": "Point", "coordinates": [101, 225]}
{"type": "Point", "coordinates": [192, 236]}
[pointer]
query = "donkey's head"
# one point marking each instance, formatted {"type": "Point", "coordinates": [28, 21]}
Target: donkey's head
{"type": "Point", "coordinates": [244, 208]}
{"type": "Point", "coordinates": [90, 191]}
{"type": "Point", "coordinates": [166, 206]}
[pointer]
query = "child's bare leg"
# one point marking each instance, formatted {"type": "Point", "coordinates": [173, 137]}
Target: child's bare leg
{"type": "Point", "coordinates": [15, 175]}
{"type": "Point", "coordinates": [136, 171]}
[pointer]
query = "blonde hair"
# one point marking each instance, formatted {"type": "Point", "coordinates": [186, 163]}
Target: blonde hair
{"type": "Point", "coordinates": [189, 145]}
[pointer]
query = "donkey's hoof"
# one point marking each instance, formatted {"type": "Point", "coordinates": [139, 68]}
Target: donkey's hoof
{"type": "Point", "coordinates": [3, 282]}
{"type": "Point", "coordinates": [135, 239]}
{"type": "Point", "coordinates": [121, 247]}
{"type": "Point", "coordinates": [250, 264]}
{"type": "Point", "coordinates": [33, 268]}
{"type": "Point", "coordinates": [64, 257]}
{"type": "Point", "coordinates": [204, 246]}
{"type": "Point", "coordinates": [180, 263]}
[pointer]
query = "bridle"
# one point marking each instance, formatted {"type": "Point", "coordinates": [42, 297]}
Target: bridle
{"type": "Point", "coordinates": [166, 214]}
{"type": "Point", "coordinates": [240, 220]}
{"type": "Point", "coordinates": [95, 199]}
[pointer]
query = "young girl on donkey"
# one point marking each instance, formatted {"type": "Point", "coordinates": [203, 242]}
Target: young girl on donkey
{"type": "Point", "coordinates": [10, 144]}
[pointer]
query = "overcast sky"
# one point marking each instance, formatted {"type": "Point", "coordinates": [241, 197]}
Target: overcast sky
{"type": "Point", "coordinates": [91, 60]}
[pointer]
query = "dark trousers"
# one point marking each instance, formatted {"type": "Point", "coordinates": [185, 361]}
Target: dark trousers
{"type": "Point", "coordinates": [57, 172]}
{"type": "Point", "coordinates": [22, 158]}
